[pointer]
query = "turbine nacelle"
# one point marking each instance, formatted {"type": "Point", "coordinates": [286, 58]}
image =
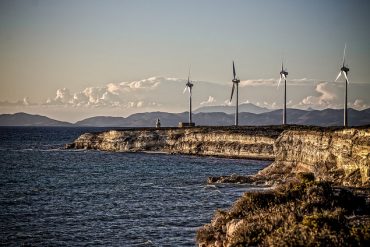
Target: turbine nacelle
{"type": "Point", "coordinates": [189, 84]}
{"type": "Point", "coordinates": [236, 80]}
{"type": "Point", "coordinates": [344, 69]}
{"type": "Point", "coordinates": [283, 74]}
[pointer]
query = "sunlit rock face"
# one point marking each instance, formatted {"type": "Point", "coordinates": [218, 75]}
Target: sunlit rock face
{"type": "Point", "coordinates": [340, 156]}
{"type": "Point", "coordinates": [255, 143]}
{"type": "Point", "coordinates": [332, 154]}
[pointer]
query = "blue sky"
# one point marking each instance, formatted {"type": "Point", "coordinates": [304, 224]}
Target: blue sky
{"type": "Point", "coordinates": [51, 45]}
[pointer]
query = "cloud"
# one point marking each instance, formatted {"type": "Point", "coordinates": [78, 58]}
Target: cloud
{"type": "Point", "coordinates": [274, 82]}
{"type": "Point", "coordinates": [211, 100]}
{"type": "Point", "coordinates": [112, 94]}
{"type": "Point", "coordinates": [227, 102]}
{"type": "Point", "coordinates": [24, 102]}
{"type": "Point", "coordinates": [324, 100]}
{"type": "Point", "coordinates": [162, 93]}
{"type": "Point", "coordinates": [258, 82]}
{"type": "Point", "coordinates": [272, 105]}
{"type": "Point", "coordinates": [146, 84]}
{"type": "Point", "coordinates": [359, 104]}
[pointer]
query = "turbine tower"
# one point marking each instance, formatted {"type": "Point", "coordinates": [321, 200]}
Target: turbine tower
{"type": "Point", "coordinates": [344, 70]}
{"type": "Point", "coordinates": [236, 82]}
{"type": "Point", "coordinates": [189, 87]}
{"type": "Point", "coordinates": [283, 75]}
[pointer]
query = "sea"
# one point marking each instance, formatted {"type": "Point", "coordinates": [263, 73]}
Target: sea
{"type": "Point", "coordinates": [50, 196]}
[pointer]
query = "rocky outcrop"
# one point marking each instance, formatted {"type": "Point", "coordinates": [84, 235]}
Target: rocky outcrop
{"type": "Point", "coordinates": [242, 142]}
{"type": "Point", "coordinates": [339, 156]}
{"type": "Point", "coordinates": [300, 213]}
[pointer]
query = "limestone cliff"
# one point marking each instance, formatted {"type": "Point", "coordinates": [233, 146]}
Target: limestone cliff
{"type": "Point", "coordinates": [340, 156]}
{"type": "Point", "coordinates": [333, 154]}
{"type": "Point", "coordinates": [243, 142]}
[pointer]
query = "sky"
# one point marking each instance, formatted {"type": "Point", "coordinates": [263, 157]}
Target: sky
{"type": "Point", "coordinates": [74, 59]}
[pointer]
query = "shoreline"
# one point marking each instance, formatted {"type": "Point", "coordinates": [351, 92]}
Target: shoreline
{"type": "Point", "coordinates": [321, 169]}
{"type": "Point", "coordinates": [336, 154]}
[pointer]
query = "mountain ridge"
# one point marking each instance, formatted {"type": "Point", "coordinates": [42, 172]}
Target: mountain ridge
{"type": "Point", "coordinates": [326, 117]}
{"type": "Point", "coordinates": [244, 107]}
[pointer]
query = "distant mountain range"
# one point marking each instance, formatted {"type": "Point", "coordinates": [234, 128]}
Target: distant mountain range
{"type": "Point", "coordinates": [246, 107]}
{"type": "Point", "coordinates": [327, 117]}
{"type": "Point", "coordinates": [24, 119]}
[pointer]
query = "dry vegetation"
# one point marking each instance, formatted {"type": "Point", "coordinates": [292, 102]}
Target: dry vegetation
{"type": "Point", "coordinates": [304, 213]}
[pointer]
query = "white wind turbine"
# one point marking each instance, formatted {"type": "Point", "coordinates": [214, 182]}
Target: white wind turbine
{"type": "Point", "coordinates": [189, 87]}
{"type": "Point", "coordinates": [236, 82]}
{"type": "Point", "coordinates": [283, 75]}
{"type": "Point", "coordinates": [344, 71]}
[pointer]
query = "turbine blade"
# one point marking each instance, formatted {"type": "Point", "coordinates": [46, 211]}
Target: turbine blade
{"type": "Point", "coordinates": [185, 89]}
{"type": "Point", "coordinates": [345, 75]}
{"type": "Point", "coordinates": [234, 73]}
{"type": "Point", "coordinates": [344, 53]}
{"type": "Point", "coordinates": [188, 89]}
{"type": "Point", "coordinates": [279, 81]}
{"type": "Point", "coordinates": [338, 75]}
{"type": "Point", "coordinates": [283, 75]}
{"type": "Point", "coordinates": [189, 73]}
{"type": "Point", "coordinates": [232, 92]}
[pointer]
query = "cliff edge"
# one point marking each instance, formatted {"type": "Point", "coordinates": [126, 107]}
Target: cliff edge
{"type": "Point", "coordinates": [241, 142]}
{"type": "Point", "coordinates": [338, 155]}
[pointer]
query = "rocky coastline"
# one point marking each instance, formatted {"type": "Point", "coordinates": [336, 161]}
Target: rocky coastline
{"type": "Point", "coordinates": [231, 142]}
{"type": "Point", "coordinates": [320, 176]}
{"type": "Point", "coordinates": [338, 155]}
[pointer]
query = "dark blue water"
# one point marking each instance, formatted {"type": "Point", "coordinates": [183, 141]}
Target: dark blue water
{"type": "Point", "coordinates": [51, 197]}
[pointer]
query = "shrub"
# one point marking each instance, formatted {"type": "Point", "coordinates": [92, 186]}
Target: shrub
{"type": "Point", "coordinates": [305, 213]}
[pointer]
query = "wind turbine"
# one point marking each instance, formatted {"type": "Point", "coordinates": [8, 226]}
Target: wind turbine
{"type": "Point", "coordinates": [236, 82]}
{"type": "Point", "coordinates": [189, 87]}
{"type": "Point", "coordinates": [283, 75]}
{"type": "Point", "coordinates": [344, 70]}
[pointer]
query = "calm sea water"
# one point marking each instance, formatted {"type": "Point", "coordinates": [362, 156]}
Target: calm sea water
{"type": "Point", "coordinates": [55, 197]}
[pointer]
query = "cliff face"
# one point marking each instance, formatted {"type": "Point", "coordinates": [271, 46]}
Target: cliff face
{"type": "Point", "coordinates": [335, 155]}
{"type": "Point", "coordinates": [341, 156]}
{"type": "Point", "coordinates": [254, 143]}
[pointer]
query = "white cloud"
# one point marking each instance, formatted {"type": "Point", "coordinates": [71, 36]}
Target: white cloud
{"type": "Point", "coordinates": [325, 99]}
{"type": "Point", "coordinates": [211, 100]}
{"type": "Point", "coordinates": [24, 102]}
{"type": "Point", "coordinates": [113, 94]}
{"type": "Point", "coordinates": [359, 104]}
{"type": "Point", "coordinates": [258, 82]}
{"type": "Point", "coordinates": [272, 105]}
{"type": "Point", "coordinates": [149, 83]}
{"type": "Point", "coordinates": [165, 94]}
{"type": "Point", "coordinates": [227, 102]}
{"type": "Point", "coordinates": [274, 82]}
